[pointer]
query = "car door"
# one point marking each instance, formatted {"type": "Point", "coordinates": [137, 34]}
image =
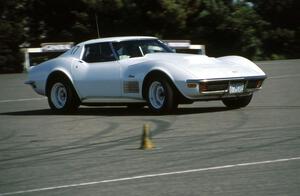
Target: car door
{"type": "Point", "coordinates": [97, 74]}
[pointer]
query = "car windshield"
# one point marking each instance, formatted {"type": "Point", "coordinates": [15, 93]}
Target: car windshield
{"type": "Point", "coordinates": [139, 48]}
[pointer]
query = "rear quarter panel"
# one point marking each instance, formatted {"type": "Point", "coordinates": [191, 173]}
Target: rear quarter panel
{"type": "Point", "coordinates": [41, 72]}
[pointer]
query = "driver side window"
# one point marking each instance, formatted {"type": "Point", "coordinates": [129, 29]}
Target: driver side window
{"type": "Point", "coordinates": [99, 52]}
{"type": "Point", "coordinates": [128, 49]}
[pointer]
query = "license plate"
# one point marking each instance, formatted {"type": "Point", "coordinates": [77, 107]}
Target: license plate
{"type": "Point", "coordinates": [235, 88]}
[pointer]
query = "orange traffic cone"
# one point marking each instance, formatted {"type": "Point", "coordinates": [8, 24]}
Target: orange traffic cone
{"type": "Point", "coordinates": [146, 143]}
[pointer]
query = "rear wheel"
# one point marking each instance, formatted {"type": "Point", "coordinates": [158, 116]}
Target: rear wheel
{"type": "Point", "coordinates": [61, 96]}
{"type": "Point", "coordinates": [238, 102]}
{"type": "Point", "coordinates": [160, 95]}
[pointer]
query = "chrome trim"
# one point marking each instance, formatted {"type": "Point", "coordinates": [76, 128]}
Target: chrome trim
{"type": "Point", "coordinates": [228, 79]}
{"type": "Point", "coordinates": [113, 100]}
{"type": "Point", "coordinates": [213, 92]}
{"type": "Point", "coordinates": [252, 89]}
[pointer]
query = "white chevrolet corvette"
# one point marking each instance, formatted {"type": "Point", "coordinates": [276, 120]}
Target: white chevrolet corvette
{"type": "Point", "coordinates": [136, 71]}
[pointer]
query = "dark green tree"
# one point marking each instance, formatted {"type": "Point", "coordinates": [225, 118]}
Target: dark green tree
{"type": "Point", "coordinates": [57, 21]}
{"type": "Point", "coordinates": [226, 27]}
{"type": "Point", "coordinates": [282, 35]}
{"type": "Point", "coordinates": [255, 29]}
{"type": "Point", "coordinates": [11, 36]}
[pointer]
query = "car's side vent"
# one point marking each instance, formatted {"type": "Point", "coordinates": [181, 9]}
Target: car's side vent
{"type": "Point", "coordinates": [131, 87]}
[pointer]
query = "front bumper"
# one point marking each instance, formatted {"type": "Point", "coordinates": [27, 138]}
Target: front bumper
{"type": "Point", "coordinates": [221, 87]}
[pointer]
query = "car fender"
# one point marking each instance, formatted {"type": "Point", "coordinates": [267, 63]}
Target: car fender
{"type": "Point", "coordinates": [66, 70]}
{"type": "Point", "coordinates": [177, 76]}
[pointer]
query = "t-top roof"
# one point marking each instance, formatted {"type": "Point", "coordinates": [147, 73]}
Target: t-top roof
{"type": "Point", "coordinates": [116, 39]}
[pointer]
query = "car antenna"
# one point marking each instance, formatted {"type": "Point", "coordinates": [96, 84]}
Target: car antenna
{"type": "Point", "coordinates": [97, 25]}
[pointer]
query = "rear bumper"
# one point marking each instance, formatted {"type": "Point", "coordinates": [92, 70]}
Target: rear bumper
{"type": "Point", "coordinates": [37, 86]}
{"type": "Point", "coordinates": [31, 83]}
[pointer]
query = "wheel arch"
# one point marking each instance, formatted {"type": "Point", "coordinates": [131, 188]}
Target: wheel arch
{"type": "Point", "coordinates": [159, 73]}
{"type": "Point", "coordinates": [59, 74]}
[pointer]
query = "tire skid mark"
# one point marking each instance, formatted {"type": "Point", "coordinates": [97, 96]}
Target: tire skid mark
{"type": "Point", "coordinates": [14, 147]}
{"type": "Point", "coordinates": [67, 147]}
{"type": "Point", "coordinates": [161, 127]}
{"type": "Point", "coordinates": [218, 152]}
{"type": "Point", "coordinates": [241, 149]}
{"type": "Point", "coordinates": [45, 123]}
{"type": "Point", "coordinates": [11, 134]}
{"type": "Point", "coordinates": [237, 131]}
{"type": "Point", "coordinates": [233, 130]}
{"type": "Point", "coordinates": [243, 118]}
{"type": "Point", "coordinates": [247, 149]}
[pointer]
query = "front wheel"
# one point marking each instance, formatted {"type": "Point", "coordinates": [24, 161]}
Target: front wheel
{"type": "Point", "coordinates": [61, 96]}
{"type": "Point", "coordinates": [160, 95]}
{"type": "Point", "coordinates": [238, 102]}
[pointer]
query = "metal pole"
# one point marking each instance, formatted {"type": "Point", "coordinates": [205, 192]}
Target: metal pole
{"type": "Point", "coordinates": [98, 32]}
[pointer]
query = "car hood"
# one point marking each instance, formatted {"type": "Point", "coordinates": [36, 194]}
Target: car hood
{"type": "Point", "coordinates": [202, 66]}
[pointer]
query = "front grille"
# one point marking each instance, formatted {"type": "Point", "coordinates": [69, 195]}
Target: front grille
{"type": "Point", "coordinates": [214, 86]}
{"type": "Point", "coordinates": [223, 86]}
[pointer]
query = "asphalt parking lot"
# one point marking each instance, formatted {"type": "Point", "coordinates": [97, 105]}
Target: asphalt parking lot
{"type": "Point", "coordinates": [203, 149]}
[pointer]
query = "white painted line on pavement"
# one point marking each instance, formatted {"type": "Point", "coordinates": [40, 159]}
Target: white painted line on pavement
{"type": "Point", "coordinates": [151, 176]}
{"type": "Point", "coordinates": [19, 100]}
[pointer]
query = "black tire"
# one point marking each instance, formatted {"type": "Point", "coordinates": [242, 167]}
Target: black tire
{"type": "Point", "coordinates": [160, 95]}
{"type": "Point", "coordinates": [62, 97]}
{"type": "Point", "coordinates": [238, 102]}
